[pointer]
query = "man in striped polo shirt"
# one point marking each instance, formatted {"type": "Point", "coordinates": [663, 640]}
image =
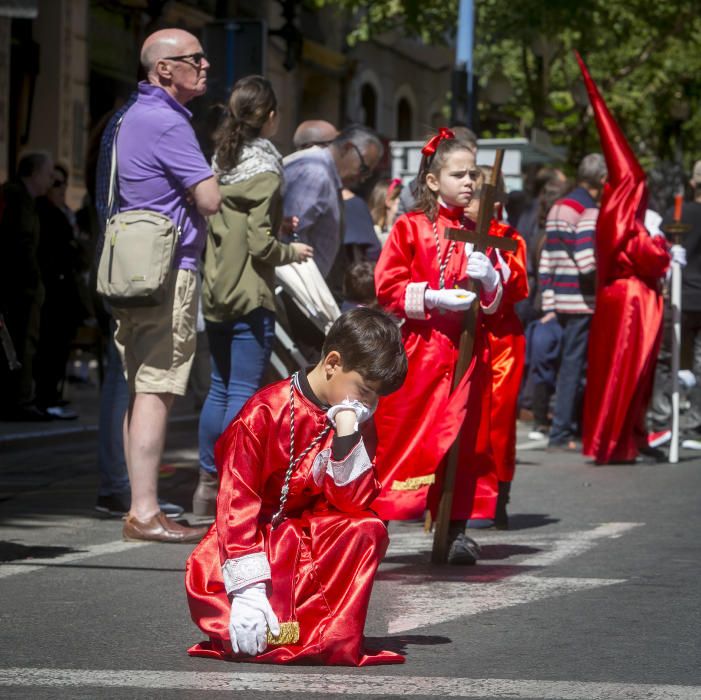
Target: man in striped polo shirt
{"type": "Point", "coordinates": [567, 277]}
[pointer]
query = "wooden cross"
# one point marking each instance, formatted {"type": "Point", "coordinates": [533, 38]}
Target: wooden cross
{"type": "Point", "coordinates": [481, 240]}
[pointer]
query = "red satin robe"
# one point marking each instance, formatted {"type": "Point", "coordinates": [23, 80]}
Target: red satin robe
{"type": "Point", "coordinates": [507, 343]}
{"type": "Point", "coordinates": [624, 341]}
{"type": "Point", "coordinates": [417, 425]}
{"type": "Point", "coordinates": [323, 556]}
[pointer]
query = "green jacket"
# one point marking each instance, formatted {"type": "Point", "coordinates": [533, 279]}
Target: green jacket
{"type": "Point", "coordinates": [242, 249]}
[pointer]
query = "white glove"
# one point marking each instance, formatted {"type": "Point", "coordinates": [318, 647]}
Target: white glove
{"type": "Point", "coordinates": [678, 255]}
{"type": "Point", "coordinates": [362, 412]}
{"type": "Point", "coordinates": [479, 267]}
{"type": "Point", "coordinates": [449, 299]}
{"type": "Point", "coordinates": [251, 616]}
{"type": "Point", "coordinates": [686, 378]}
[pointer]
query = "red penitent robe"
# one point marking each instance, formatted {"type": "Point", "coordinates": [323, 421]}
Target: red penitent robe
{"type": "Point", "coordinates": [507, 343]}
{"type": "Point", "coordinates": [624, 341]}
{"type": "Point", "coordinates": [322, 557]}
{"type": "Point", "coordinates": [417, 425]}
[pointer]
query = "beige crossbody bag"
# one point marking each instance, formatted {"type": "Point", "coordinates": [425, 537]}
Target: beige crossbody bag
{"type": "Point", "coordinates": [137, 257]}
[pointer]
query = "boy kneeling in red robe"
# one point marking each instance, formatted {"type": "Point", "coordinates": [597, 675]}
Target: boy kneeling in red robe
{"type": "Point", "coordinates": [285, 573]}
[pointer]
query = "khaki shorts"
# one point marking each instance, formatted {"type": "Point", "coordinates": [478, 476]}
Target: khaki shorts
{"type": "Point", "coordinates": [157, 343]}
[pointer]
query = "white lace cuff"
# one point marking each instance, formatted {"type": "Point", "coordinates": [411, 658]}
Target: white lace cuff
{"type": "Point", "coordinates": [349, 469]}
{"type": "Point", "coordinates": [319, 465]}
{"type": "Point", "coordinates": [414, 300]}
{"type": "Point", "coordinates": [492, 306]}
{"type": "Point", "coordinates": [504, 266]}
{"type": "Point", "coordinates": [240, 572]}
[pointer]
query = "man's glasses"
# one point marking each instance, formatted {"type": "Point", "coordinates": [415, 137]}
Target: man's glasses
{"type": "Point", "coordinates": [365, 169]}
{"type": "Point", "coordinates": [59, 183]}
{"type": "Point", "coordinates": [196, 58]}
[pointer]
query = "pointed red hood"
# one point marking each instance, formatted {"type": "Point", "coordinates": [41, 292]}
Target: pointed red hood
{"type": "Point", "coordinates": [624, 199]}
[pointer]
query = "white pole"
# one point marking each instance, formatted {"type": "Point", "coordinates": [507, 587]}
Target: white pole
{"type": "Point", "coordinates": [676, 348]}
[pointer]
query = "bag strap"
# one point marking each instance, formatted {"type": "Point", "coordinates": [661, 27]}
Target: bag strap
{"type": "Point", "coordinates": [112, 195]}
{"type": "Point", "coordinates": [113, 188]}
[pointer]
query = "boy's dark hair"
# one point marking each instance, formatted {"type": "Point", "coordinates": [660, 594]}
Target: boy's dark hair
{"type": "Point", "coordinates": [370, 343]}
{"type": "Point", "coordinates": [359, 282]}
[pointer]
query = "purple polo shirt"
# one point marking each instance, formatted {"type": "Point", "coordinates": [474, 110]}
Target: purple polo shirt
{"type": "Point", "coordinates": [158, 159]}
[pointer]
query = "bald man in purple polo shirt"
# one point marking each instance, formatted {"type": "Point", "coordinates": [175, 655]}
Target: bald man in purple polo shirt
{"type": "Point", "coordinates": [161, 168]}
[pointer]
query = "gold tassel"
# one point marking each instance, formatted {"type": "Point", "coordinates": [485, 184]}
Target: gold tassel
{"type": "Point", "coordinates": [289, 634]}
{"type": "Point", "coordinates": [414, 483]}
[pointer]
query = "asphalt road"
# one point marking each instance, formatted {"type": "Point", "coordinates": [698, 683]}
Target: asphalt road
{"type": "Point", "coordinates": [593, 594]}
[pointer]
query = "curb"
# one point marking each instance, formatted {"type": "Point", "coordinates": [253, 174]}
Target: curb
{"type": "Point", "coordinates": [74, 430]}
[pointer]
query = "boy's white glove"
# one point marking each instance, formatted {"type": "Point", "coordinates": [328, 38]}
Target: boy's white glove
{"type": "Point", "coordinates": [362, 412]}
{"type": "Point", "coordinates": [449, 299]}
{"type": "Point", "coordinates": [251, 617]}
{"type": "Point", "coordinates": [686, 378]}
{"type": "Point", "coordinates": [479, 267]}
{"type": "Point", "coordinates": [678, 255]}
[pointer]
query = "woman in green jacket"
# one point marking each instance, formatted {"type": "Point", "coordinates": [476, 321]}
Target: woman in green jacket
{"type": "Point", "coordinates": [242, 252]}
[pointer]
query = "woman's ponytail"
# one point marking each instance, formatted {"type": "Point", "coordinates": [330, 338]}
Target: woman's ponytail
{"type": "Point", "coordinates": [251, 102]}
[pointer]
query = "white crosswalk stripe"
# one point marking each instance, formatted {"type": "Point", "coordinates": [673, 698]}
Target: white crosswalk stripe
{"type": "Point", "coordinates": [333, 684]}
{"type": "Point", "coordinates": [422, 599]}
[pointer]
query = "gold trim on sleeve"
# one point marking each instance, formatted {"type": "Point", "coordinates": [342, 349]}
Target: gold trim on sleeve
{"type": "Point", "coordinates": [414, 483]}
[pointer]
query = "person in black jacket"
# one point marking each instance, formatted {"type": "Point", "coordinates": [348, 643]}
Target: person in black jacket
{"type": "Point", "coordinates": [21, 288]}
{"type": "Point", "coordinates": [63, 310]}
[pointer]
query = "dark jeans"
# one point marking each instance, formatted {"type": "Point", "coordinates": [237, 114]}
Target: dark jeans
{"type": "Point", "coordinates": [58, 327]}
{"type": "Point", "coordinates": [690, 352]}
{"type": "Point", "coordinates": [114, 402]}
{"type": "Point", "coordinates": [240, 354]}
{"type": "Point", "coordinates": [570, 379]}
{"type": "Point", "coordinates": [22, 318]}
{"type": "Point", "coordinates": [543, 342]}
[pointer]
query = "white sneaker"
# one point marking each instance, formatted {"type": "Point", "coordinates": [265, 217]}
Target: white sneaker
{"type": "Point", "coordinates": [62, 412]}
{"type": "Point", "coordinates": [691, 444]}
{"type": "Point", "coordinates": [536, 435]}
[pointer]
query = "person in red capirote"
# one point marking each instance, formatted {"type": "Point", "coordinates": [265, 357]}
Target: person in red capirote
{"type": "Point", "coordinates": [627, 326]}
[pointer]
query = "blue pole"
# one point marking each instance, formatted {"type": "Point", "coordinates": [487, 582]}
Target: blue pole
{"type": "Point", "coordinates": [464, 51]}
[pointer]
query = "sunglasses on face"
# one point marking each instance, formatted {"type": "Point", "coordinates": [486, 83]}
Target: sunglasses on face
{"type": "Point", "coordinates": [364, 167]}
{"type": "Point", "coordinates": [196, 58]}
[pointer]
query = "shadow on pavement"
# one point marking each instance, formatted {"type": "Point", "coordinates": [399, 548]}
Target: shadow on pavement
{"type": "Point", "coordinates": [12, 551]}
{"type": "Point", "coordinates": [399, 644]}
{"type": "Point", "coordinates": [420, 572]}
{"type": "Point", "coordinates": [504, 551]}
{"type": "Point", "coordinates": [96, 567]}
{"type": "Point", "coordinates": [524, 521]}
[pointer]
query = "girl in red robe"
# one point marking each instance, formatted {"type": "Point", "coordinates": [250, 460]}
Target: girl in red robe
{"type": "Point", "coordinates": [421, 277]}
{"type": "Point", "coordinates": [507, 344]}
{"type": "Point", "coordinates": [285, 573]}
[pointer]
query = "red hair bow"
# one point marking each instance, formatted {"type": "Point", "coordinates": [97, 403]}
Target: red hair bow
{"type": "Point", "coordinates": [443, 135]}
{"type": "Point", "coordinates": [394, 183]}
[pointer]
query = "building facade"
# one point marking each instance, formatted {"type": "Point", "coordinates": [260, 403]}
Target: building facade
{"type": "Point", "coordinates": [66, 64]}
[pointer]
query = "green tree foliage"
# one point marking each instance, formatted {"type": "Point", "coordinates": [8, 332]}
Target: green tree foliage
{"type": "Point", "coordinates": [644, 56]}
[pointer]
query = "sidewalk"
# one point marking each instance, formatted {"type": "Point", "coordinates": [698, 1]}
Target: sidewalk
{"type": "Point", "coordinates": [85, 401]}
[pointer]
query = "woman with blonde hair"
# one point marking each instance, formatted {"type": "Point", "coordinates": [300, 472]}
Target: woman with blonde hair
{"type": "Point", "coordinates": [384, 201]}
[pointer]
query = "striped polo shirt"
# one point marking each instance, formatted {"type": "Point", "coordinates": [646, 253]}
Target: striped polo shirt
{"type": "Point", "coordinates": [568, 253]}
